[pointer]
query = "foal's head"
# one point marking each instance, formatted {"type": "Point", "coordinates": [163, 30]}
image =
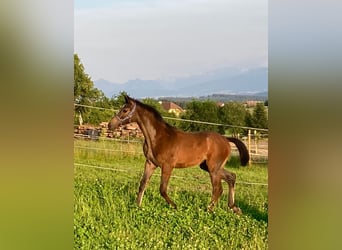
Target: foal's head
{"type": "Point", "coordinates": [126, 114]}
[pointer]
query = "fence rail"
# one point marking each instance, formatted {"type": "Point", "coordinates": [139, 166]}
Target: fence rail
{"type": "Point", "coordinates": [183, 120]}
{"type": "Point", "coordinates": [256, 138]}
{"type": "Point", "coordinates": [257, 148]}
{"type": "Point", "coordinates": [172, 176]}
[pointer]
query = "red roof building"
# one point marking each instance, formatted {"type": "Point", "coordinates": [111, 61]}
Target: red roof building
{"type": "Point", "coordinates": [172, 107]}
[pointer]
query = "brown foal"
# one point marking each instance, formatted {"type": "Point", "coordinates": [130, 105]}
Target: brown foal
{"type": "Point", "coordinates": [168, 148]}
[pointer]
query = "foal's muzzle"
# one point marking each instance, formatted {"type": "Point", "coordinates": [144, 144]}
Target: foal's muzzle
{"type": "Point", "coordinates": [114, 123]}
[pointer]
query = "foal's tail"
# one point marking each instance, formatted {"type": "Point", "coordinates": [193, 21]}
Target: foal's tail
{"type": "Point", "coordinates": [244, 155]}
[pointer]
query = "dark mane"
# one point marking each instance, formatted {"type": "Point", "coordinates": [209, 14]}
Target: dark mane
{"type": "Point", "coordinates": [155, 113]}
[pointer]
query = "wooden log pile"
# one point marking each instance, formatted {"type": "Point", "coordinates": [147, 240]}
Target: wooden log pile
{"type": "Point", "coordinates": [87, 132]}
{"type": "Point", "coordinates": [129, 130]}
{"type": "Point", "coordinates": [94, 132]}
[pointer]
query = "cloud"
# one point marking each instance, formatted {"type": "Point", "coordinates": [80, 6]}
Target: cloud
{"type": "Point", "coordinates": [161, 39]}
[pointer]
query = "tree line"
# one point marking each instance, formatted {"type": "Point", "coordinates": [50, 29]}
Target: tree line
{"type": "Point", "coordinates": [232, 113]}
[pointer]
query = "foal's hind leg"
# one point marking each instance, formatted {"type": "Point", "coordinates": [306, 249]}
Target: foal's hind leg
{"type": "Point", "coordinates": [149, 169]}
{"type": "Point", "coordinates": [216, 185]}
{"type": "Point", "coordinates": [230, 179]}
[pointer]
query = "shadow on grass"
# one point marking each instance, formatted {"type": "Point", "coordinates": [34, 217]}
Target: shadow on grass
{"type": "Point", "coordinates": [253, 212]}
{"type": "Point", "coordinates": [195, 200]}
{"type": "Point", "coordinates": [187, 199]}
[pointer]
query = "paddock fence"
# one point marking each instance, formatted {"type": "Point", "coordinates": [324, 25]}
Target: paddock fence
{"type": "Point", "coordinates": [256, 139]}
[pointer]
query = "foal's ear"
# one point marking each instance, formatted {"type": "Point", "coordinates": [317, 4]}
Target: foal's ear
{"type": "Point", "coordinates": [127, 99]}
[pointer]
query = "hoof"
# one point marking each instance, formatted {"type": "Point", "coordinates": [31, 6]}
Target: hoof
{"type": "Point", "coordinates": [237, 210]}
{"type": "Point", "coordinates": [210, 208]}
{"type": "Point", "coordinates": [172, 205]}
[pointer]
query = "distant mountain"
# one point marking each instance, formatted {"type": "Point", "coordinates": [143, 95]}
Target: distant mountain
{"type": "Point", "coordinates": [224, 81]}
{"type": "Point", "coordinates": [137, 88]}
{"type": "Point", "coordinates": [182, 101]}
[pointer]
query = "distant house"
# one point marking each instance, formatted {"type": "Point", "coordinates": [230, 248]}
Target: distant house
{"type": "Point", "coordinates": [250, 104]}
{"type": "Point", "coordinates": [171, 107]}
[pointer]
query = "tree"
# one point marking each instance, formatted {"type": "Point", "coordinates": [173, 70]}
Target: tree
{"type": "Point", "coordinates": [233, 113]}
{"type": "Point", "coordinates": [96, 116]}
{"type": "Point", "coordinates": [259, 117]}
{"type": "Point", "coordinates": [156, 105]}
{"type": "Point", "coordinates": [83, 85]}
{"type": "Point", "coordinates": [84, 91]}
{"type": "Point", "coordinates": [248, 119]}
{"type": "Point", "coordinates": [206, 111]}
{"type": "Point", "coordinates": [117, 101]}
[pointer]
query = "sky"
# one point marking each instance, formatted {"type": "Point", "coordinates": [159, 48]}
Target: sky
{"type": "Point", "coordinates": [124, 40]}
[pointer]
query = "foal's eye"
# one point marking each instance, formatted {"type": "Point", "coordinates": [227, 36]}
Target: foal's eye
{"type": "Point", "coordinates": [125, 110]}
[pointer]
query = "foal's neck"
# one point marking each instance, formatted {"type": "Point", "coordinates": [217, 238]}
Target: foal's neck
{"type": "Point", "coordinates": [152, 124]}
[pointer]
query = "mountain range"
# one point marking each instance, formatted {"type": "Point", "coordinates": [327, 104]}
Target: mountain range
{"type": "Point", "coordinates": [231, 81]}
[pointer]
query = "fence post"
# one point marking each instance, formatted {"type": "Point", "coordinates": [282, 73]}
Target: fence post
{"type": "Point", "coordinates": [255, 141]}
{"type": "Point", "coordinates": [249, 144]}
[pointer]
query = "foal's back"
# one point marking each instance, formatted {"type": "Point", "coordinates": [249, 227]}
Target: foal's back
{"type": "Point", "coordinates": [191, 149]}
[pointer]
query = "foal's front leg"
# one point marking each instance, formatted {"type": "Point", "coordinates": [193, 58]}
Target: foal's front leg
{"type": "Point", "coordinates": [149, 169]}
{"type": "Point", "coordinates": [165, 176]}
{"type": "Point", "coordinates": [217, 190]}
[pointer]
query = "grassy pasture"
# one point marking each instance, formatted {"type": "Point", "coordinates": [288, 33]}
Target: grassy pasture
{"type": "Point", "coordinates": [106, 215]}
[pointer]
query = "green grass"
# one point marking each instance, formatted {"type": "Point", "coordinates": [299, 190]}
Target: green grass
{"type": "Point", "coordinates": [106, 215]}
